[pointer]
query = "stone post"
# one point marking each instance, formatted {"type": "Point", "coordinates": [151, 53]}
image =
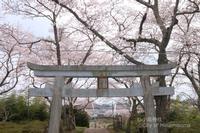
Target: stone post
{"type": "Point", "coordinates": [150, 112]}
{"type": "Point", "coordinates": [56, 106]}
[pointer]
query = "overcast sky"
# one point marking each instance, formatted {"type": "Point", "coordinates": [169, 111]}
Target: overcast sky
{"type": "Point", "coordinates": [38, 27]}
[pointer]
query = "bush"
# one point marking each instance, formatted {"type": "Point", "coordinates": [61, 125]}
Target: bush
{"type": "Point", "coordinates": [81, 118]}
{"type": "Point", "coordinates": [15, 108]}
{"type": "Point", "coordinates": [184, 116]}
{"type": "Point", "coordinates": [38, 110]}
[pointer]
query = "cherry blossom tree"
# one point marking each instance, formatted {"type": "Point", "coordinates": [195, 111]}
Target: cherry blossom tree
{"type": "Point", "coordinates": [61, 47]}
{"type": "Point", "coordinates": [129, 30]}
{"type": "Point", "coordinates": [10, 59]}
{"type": "Point", "coordinates": [189, 56]}
{"type": "Point", "coordinates": [165, 20]}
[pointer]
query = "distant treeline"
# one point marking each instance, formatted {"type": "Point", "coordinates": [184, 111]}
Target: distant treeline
{"type": "Point", "coordinates": [17, 108]}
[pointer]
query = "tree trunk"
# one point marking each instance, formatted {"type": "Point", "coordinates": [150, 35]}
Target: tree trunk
{"type": "Point", "coordinates": [128, 126]}
{"type": "Point", "coordinates": [71, 125]}
{"type": "Point", "coordinates": [132, 117]}
{"type": "Point", "coordinates": [70, 122]}
{"type": "Point", "coordinates": [198, 102]}
{"type": "Point", "coordinates": [162, 102]}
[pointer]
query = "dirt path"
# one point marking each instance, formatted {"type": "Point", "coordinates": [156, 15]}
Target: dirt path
{"type": "Point", "coordinates": [96, 130]}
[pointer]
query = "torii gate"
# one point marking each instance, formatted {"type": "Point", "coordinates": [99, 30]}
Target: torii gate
{"type": "Point", "coordinates": [102, 73]}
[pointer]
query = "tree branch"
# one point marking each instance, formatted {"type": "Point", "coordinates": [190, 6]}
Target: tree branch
{"type": "Point", "coordinates": [142, 22]}
{"type": "Point", "coordinates": [101, 37]}
{"type": "Point", "coordinates": [147, 4]}
{"type": "Point", "coordinates": [190, 77]}
{"type": "Point", "coordinates": [196, 9]}
{"type": "Point", "coordinates": [158, 18]}
{"type": "Point", "coordinates": [140, 39]}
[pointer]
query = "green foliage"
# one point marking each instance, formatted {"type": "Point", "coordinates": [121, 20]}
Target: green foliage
{"type": "Point", "coordinates": [184, 117]}
{"type": "Point", "coordinates": [182, 111]}
{"type": "Point", "coordinates": [81, 118]}
{"type": "Point", "coordinates": [38, 109]}
{"type": "Point", "coordinates": [15, 108]}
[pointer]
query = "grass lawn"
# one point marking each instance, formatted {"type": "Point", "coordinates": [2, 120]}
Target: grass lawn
{"type": "Point", "coordinates": [39, 126]}
{"type": "Point", "coordinates": [23, 127]}
{"type": "Point", "coordinates": [28, 127]}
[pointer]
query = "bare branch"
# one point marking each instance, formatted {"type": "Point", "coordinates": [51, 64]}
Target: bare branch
{"type": "Point", "coordinates": [140, 39]}
{"type": "Point", "coordinates": [158, 18]}
{"type": "Point", "coordinates": [142, 22]}
{"type": "Point", "coordinates": [11, 73]}
{"type": "Point", "coordinates": [147, 4]}
{"type": "Point", "coordinates": [196, 9]}
{"type": "Point", "coordinates": [101, 37]}
{"type": "Point", "coordinates": [190, 76]}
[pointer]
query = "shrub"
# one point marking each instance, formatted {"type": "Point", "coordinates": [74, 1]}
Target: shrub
{"type": "Point", "coordinates": [38, 110]}
{"type": "Point", "coordinates": [81, 118]}
{"type": "Point", "coordinates": [15, 108]}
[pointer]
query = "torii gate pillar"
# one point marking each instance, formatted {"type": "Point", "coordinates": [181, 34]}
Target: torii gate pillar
{"type": "Point", "coordinates": [56, 106]}
{"type": "Point", "coordinates": [150, 113]}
